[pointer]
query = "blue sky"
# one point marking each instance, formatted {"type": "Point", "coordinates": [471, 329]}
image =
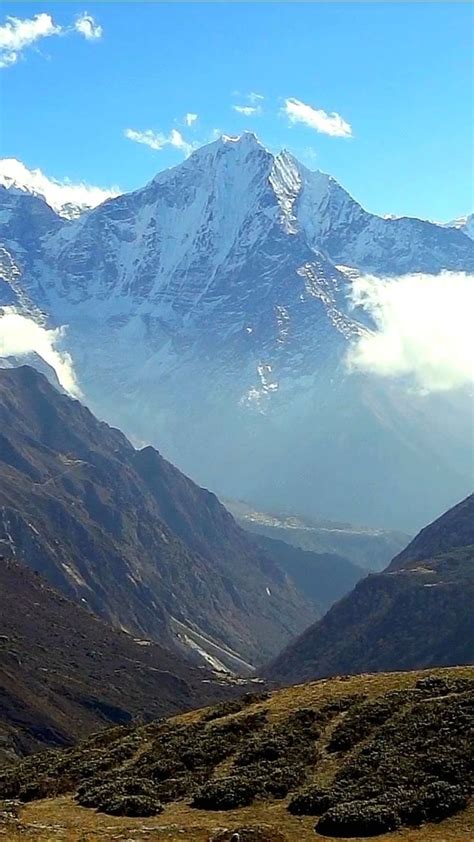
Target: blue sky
{"type": "Point", "coordinates": [398, 75]}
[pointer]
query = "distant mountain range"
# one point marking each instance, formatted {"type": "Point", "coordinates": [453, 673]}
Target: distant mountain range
{"type": "Point", "coordinates": [416, 614]}
{"type": "Point", "coordinates": [208, 314]}
{"type": "Point", "coordinates": [370, 549]}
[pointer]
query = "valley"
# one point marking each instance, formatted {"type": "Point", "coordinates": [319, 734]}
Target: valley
{"type": "Point", "coordinates": [236, 422]}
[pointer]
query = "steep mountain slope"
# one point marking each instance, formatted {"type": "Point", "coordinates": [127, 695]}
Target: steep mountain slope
{"type": "Point", "coordinates": [371, 549]}
{"type": "Point", "coordinates": [384, 754]}
{"type": "Point", "coordinates": [452, 531]}
{"type": "Point", "coordinates": [65, 674]}
{"type": "Point", "coordinates": [228, 277]}
{"type": "Point", "coordinates": [128, 534]}
{"type": "Point", "coordinates": [322, 577]}
{"type": "Point", "coordinates": [418, 613]}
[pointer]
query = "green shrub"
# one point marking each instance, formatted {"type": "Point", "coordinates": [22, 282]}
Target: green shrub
{"type": "Point", "coordinates": [358, 818]}
{"type": "Point", "coordinates": [225, 793]}
{"type": "Point", "coordinates": [436, 685]}
{"type": "Point", "coordinates": [433, 803]}
{"type": "Point", "coordinates": [312, 802]}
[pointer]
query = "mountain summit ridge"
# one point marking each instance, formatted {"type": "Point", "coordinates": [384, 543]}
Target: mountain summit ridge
{"type": "Point", "coordinates": [230, 277]}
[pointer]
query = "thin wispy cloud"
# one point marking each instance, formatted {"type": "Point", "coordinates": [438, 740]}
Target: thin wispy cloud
{"type": "Point", "coordinates": [331, 124]}
{"type": "Point", "coordinates": [20, 34]}
{"type": "Point", "coordinates": [190, 118]}
{"type": "Point", "coordinates": [253, 97]}
{"type": "Point", "coordinates": [158, 140]}
{"type": "Point", "coordinates": [423, 329]}
{"type": "Point", "coordinates": [247, 110]}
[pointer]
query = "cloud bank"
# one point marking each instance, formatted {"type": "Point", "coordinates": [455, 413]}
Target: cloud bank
{"type": "Point", "coordinates": [332, 124]}
{"type": "Point", "coordinates": [423, 329]}
{"type": "Point", "coordinates": [18, 34]}
{"type": "Point", "coordinates": [20, 336]}
{"type": "Point", "coordinates": [58, 194]}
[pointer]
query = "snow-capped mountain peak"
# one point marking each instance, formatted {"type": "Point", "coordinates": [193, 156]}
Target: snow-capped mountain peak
{"type": "Point", "coordinates": [208, 312]}
{"type": "Point", "coordinates": [67, 199]}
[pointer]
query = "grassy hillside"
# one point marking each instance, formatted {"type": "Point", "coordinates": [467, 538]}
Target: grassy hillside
{"type": "Point", "coordinates": [354, 757]}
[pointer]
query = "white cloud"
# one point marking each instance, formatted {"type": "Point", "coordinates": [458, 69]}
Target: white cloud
{"type": "Point", "coordinates": [17, 34]}
{"type": "Point", "coordinates": [253, 97]}
{"type": "Point", "coordinates": [149, 138]}
{"type": "Point", "coordinates": [317, 119]}
{"type": "Point", "coordinates": [157, 140]}
{"type": "Point", "coordinates": [20, 335]}
{"type": "Point", "coordinates": [247, 110]}
{"type": "Point", "coordinates": [87, 26]}
{"type": "Point", "coordinates": [423, 329]}
{"type": "Point", "coordinates": [58, 194]}
{"type": "Point", "coordinates": [190, 118]}
{"type": "Point", "coordinates": [177, 140]}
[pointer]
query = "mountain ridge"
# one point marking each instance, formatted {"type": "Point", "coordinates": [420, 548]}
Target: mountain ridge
{"type": "Point", "coordinates": [125, 531]}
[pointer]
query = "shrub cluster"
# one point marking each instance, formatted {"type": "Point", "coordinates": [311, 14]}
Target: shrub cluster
{"type": "Point", "coordinates": [416, 766]}
{"type": "Point", "coordinates": [358, 818]}
{"type": "Point", "coordinates": [122, 797]}
{"type": "Point", "coordinates": [271, 763]}
{"type": "Point", "coordinates": [363, 718]}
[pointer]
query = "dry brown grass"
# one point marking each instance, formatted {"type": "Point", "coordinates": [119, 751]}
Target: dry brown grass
{"type": "Point", "coordinates": [62, 819]}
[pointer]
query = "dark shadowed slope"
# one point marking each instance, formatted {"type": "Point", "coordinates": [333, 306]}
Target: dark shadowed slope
{"type": "Point", "coordinates": [64, 673]}
{"type": "Point", "coordinates": [453, 530]}
{"type": "Point", "coordinates": [418, 613]}
{"type": "Point", "coordinates": [127, 533]}
{"type": "Point", "coordinates": [322, 577]}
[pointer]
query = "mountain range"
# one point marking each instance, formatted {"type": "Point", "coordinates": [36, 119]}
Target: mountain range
{"type": "Point", "coordinates": [209, 313]}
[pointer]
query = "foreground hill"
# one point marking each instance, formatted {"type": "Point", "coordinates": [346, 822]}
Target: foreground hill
{"type": "Point", "coordinates": [418, 613]}
{"type": "Point", "coordinates": [124, 531]}
{"type": "Point", "coordinates": [351, 757]}
{"type": "Point", "coordinates": [64, 673]}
